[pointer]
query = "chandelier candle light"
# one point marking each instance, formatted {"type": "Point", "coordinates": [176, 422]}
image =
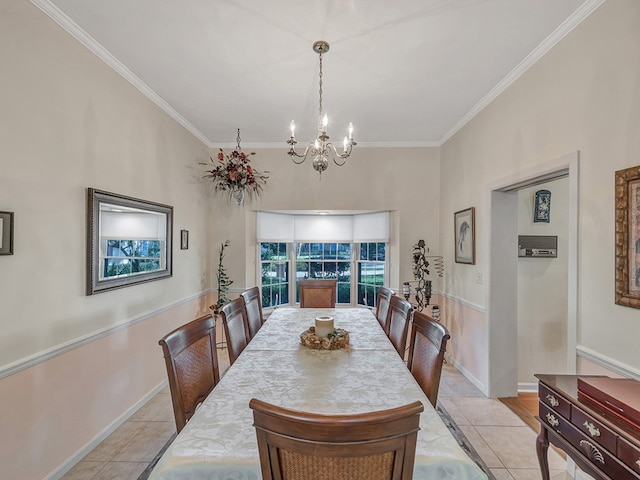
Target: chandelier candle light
{"type": "Point", "coordinates": [321, 148]}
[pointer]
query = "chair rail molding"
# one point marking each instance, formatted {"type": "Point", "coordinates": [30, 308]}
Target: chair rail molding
{"type": "Point", "coordinates": [608, 362]}
{"type": "Point", "coordinates": [44, 355]}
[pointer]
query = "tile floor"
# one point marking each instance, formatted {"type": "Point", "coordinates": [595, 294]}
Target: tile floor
{"type": "Point", "coordinates": [503, 440]}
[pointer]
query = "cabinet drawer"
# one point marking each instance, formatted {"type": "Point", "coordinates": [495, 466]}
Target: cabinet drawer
{"type": "Point", "coordinates": [557, 422]}
{"type": "Point", "coordinates": [554, 401]}
{"type": "Point", "coordinates": [597, 455]}
{"type": "Point", "coordinates": [593, 429]}
{"type": "Point", "coordinates": [629, 454]}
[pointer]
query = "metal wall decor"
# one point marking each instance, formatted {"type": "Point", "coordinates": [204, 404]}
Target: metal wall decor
{"type": "Point", "coordinates": [422, 295]}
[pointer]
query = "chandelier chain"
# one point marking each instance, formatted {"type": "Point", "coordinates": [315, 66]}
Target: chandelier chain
{"type": "Point", "coordinates": [238, 140]}
{"type": "Point", "coordinates": [320, 107]}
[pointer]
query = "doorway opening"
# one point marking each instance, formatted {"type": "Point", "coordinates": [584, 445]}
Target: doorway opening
{"type": "Point", "coordinates": [502, 291]}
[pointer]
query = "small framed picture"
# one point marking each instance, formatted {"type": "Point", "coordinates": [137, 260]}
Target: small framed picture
{"type": "Point", "coordinates": [542, 206]}
{"type": "Point", "coordinates": [6, 233]}
{"type": "Point", "coordinates": [464, 223]}
{"type": "Point", "coordinates": [184, 239]}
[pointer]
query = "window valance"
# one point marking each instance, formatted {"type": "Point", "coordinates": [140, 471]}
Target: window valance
{"type": "Point", "coordinates": [355, 228]}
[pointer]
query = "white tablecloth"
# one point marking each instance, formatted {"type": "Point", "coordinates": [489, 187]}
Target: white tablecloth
{"type": "Point", "coordinates": [219, 442]}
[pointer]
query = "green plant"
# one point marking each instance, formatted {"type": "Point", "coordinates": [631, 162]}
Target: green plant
{"type": "Point", "coordinates": [223, 279]}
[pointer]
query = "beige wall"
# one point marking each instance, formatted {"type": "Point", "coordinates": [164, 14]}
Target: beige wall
{"type": "Point", "coordinates": [68, 122]}
{"type": "Point", "coordinates": [583, 95]}
{"type": "Point", "coordinates": [403, 181]}
{"type": "Point", "coordinates": [72, 367]}
{"type": "Point", "coordinates": [542, 288]}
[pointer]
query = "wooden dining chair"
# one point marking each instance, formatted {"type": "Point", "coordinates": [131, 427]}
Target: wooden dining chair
{"type": "Point", "coordinates": [398, 319]}
{"type": "Point", "coordinates": [297, 445]}
{"type": "Point", "coordinates": [318, 293]}
{"type": "Point", "coordinates": [382, 306]}
{"type": "Point", "coordinates": [426, 353]}
{"type": "Point", "coordinates": [253, 305]}
{"type": "Point", "coordinates": [236, 327]}
{"type": "Point", "coordinates": [192, 366]}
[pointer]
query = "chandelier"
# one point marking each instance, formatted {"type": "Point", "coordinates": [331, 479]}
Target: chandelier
{"type": "Point", "coordinates": [321, 148]}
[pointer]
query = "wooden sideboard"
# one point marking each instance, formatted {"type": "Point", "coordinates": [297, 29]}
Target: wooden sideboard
{"type": "Point", "coordinates": [600, 446]}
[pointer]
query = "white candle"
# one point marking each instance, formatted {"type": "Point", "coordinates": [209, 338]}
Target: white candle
{"type": "Point", "coordinates": [324, 326]}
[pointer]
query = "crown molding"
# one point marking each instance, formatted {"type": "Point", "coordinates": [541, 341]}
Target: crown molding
{"type": "Point", "coordinates": [547, 44]}
{"type": "Point", "coordinates": [85, 39]}
{"type": "Point", "coordinates": [281, 145]}
{"type": "Point", "coordinates": [89, 42]}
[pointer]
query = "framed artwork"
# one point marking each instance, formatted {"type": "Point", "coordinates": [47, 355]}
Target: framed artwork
{"type": "Point", "coordinates": [184, 239]}
{"type": "Point", "coordinates": [465, 231]}
{"type": "Point", "coordinates": [6, 233]}
{"type": "Point", "coordinates": [542, 206]}
{"type": "Point", "coordinates": [129, 241]}
{"type": "Point", "coordinates": [627, 225]}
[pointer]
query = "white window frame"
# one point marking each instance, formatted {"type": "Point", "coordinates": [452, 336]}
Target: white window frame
{"type": "Point", "coordinates": [291, 259]}
{"type": "Point", "coordinates": [386, 264]}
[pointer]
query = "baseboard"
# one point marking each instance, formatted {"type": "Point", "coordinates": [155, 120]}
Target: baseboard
{"type": "Point", "coordinates": [528, 387]}
{"type": "Point", "coordinates": [477, 383]}
{"type": "Point", "coordinates": [108, 430]}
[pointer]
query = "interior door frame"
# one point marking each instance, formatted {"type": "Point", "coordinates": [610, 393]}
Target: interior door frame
{"type": "Point", "coordinates": [501, 301]}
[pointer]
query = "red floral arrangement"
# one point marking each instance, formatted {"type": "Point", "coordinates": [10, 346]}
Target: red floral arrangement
{"type": "Point", "coordinates": [233, 173]}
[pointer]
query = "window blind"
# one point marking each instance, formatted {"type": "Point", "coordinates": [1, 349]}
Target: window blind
{"type": "Point", "coordinates": [356, 228]}
{"type": "Point", "coordinates": [133, 226]}
{"type": "Point", "coordinates": [274, 227]}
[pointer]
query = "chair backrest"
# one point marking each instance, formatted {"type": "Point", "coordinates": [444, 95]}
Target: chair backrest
{"type": "Point", "coordinates": [398, 319]}
{"type": "Point", "coordinates": [297, 445]}
{"type": "Point", "coordinates": [426, 353]}
{"type": "Point", "coordinates": [317, 293]}
{"type": "Point", "coordinates": [253, 305]}
{"type": "Point", "coordinates": [236, 328]}
{"type": "Point", "coordinates": [382, 306]}
{"type": "Point", "coordinates": [192, 365]}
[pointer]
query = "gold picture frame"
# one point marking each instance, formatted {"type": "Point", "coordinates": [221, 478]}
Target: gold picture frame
{"type": "Point", "coordinates": [627, 225]}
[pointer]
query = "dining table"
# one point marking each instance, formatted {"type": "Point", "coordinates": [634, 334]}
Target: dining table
{"type": "Point", "coordinates": [219, 441]}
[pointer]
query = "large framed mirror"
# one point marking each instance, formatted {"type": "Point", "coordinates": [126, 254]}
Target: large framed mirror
{"type": "Point", "coordinates": [129, 241]}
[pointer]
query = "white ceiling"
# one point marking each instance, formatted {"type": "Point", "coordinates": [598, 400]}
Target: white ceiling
{"type": "Point", "coordinates": [406, 73]}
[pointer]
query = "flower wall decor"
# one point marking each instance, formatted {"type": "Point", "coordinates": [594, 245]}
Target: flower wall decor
{"type": "Point", "coordinates": [234, 175]}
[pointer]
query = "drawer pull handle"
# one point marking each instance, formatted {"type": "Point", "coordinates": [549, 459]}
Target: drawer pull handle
{"type": "Point", "coordinates": [592, 452]}
{"type": "Point", "coordinates": [553, 421]}
{"type": "Point", "coordinates": [553, 401]}
{"type": "Point", "coordinates": [593, 430]}
{"type": "Point", "coordinates": [638, 462]}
